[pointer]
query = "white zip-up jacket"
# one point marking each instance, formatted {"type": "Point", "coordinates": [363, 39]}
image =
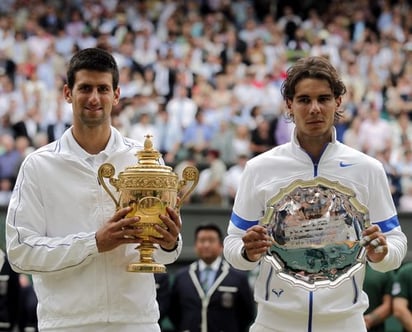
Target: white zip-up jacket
{"type": "Point", "coordinates": [56, 208]}
{"type": "Point", "coordinates": [285, 308]}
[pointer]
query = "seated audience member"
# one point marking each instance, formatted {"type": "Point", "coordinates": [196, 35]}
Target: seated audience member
{"type": "Point", "coordinates": [378, 286]}
{"type": "Point", "coordinates": [209, 188]}
{"type": "Point", "coordinates": [402, 296]}
{"type": "Point", "coordinates": [9, 298]}
{"type": "Point", "coordinates": [232, 178]}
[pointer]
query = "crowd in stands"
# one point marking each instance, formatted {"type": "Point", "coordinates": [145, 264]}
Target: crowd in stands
{"type": "Point", "coordinates": [203, 77]}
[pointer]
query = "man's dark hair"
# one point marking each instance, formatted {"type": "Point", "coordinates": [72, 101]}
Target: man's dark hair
{"type": "Point", "coordinates": [209, 227]}
{"type": "Point", "coordinates": [92, 59]}
{"type": "Point", "coordinates": [315, 67]}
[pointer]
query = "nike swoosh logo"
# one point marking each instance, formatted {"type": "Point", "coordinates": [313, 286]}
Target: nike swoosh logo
{"type": "Point", "coordinates": [342, 164]}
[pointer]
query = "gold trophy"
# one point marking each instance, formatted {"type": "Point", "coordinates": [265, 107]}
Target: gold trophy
{"type": "Point", "coordinates": [149, 187]}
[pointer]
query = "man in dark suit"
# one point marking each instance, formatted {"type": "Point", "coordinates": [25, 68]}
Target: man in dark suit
{"type": "Point", "coordinates": [9, 297]}
{"type": "Point", "coordinates": [162, 295]}
{"type": "Point", "coordinates": [209, 295]}
{"type": "Point", "coordinates": [56, 128]}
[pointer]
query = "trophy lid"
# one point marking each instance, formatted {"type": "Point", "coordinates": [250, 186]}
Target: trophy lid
{"type": "Point", "coordinates": [149, 155]}
{"type": "Point", "coordinates": [148, 160]}
{"type": "Point", "coordinates": [149, 177]}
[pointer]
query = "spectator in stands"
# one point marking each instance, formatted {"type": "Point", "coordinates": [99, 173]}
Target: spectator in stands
{"type": "Point", "coordinates": [312, 24]}
{"type": "Point", "coordinates": [9, 297]}
{"type": "Point", "coordinates": [376, 127]}
{"type": "Point", "coordinates": [7, 65]}
{"type": "Point", "coordinates": [162, 295]}
{"type": "Point", "coordinates": [168, 138]}
{"type": "Point", "coordinates": [404, 169]}
{"type": "Point", "coordinates": [392, 173]}
{"type": "Point", "coordinates": [183, 43]}
{"type": "Point", "coordinates": [165, 77]}
{"type": "Point", "coordinates": [256, 117]}
{"type": "Point", "coordinates": [248, 93]}
{"type": "Point", "coordinates": [143, 127]}
{"type": "Point", "coordinates": [181, 108]}
{"type": "Point", "coordinates": [262, 138]}
{"type": "Point", "coordinates": [209, 188]}
{"type": "Point", "coordinates": [402, 134]}
{"type": "Point", "coordinates": [231, 179]}
{"type": "Point", "coordinates": [223, 141]}
{"type": "Point", "coordinates": [10, 159]}
{"type": "Point", "coordinates": [378, 287]}
{"type": "Point", "coordinates": [241, 141]}
{"type": "Point", "coordinates": [289, 22]}
{"type": "Point", "coordinates": [209, 295]}
{"type": "Point", "coordinates": [351, 135]}
{"type": "Point", "coordinates": [59, 125]}
{"type": "Point", "coordinates": [402, 296]}
{"type": "Point", "coordinates": [221, 95]}
{"type": "Point", "coordinates": [281, 128]}
{"type": "Point", "coordinates": [27, 305]}
{"type": "Point", "coordinates": [198, 135]}
{"type": "Point", "coordinates": [233, 45]}
{"type": "Point", "coordinates": [137, 105]}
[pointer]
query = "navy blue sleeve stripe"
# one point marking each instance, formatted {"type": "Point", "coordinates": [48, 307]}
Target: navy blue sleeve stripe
{"type": "Point", "coordinates": [242, 223]}
{"type": "Point", "coordinates": [389, 224]}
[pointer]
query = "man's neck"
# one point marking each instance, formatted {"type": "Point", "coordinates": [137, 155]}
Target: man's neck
{"type": "Point", "coordinates": [92, 141]}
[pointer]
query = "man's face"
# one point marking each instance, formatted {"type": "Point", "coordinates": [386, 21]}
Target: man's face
{"type": "Point", "coordinates": [92, 98]}
{"type": "Point", "coordinates": [208, 246]}
{"type": "Point", "coordinates": [313, 108]}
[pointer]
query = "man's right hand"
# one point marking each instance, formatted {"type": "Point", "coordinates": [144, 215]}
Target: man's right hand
{"type": "Point", "coordinates": [256, 242]}
{"type": "Point", "coordinates": [118, 230]}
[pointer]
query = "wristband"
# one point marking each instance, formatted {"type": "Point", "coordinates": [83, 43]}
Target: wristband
{"type": "Point", "coordinates": [174, 248]}
{"type": "Point", "coordinates": [244, 255]}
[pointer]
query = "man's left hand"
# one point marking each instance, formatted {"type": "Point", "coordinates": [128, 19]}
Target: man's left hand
{"type": "Point", "coordinates": [375, 243]}
{"type": "Point", "coordinates": [170, 233]}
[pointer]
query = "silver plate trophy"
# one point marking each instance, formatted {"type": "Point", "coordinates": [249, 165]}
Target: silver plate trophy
{"type": "Point", "coordinates": [315, 226]}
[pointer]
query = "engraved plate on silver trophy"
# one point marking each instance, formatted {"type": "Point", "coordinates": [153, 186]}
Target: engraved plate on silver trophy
{"type": "Point", "coordinates": [315, 226]}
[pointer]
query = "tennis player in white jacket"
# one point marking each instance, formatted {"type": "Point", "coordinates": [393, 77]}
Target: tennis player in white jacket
{"type": "Point", "coordinates": [62, 226]}
{"type": "Point", "coordinates": [313, 94]}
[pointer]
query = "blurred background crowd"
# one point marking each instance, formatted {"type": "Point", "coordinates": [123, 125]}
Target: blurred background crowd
{"type": "Point", "coordinates": [203, 78]}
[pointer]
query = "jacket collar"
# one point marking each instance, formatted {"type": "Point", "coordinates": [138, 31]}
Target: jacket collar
{"type": "Point", "coordinates": [297, 149]}
{"type": "Point", "coordinates": [215, 265]}
{"type": "Point", "coordinates": [294, 138]}
{"type": "Point", "coordinates": [68, 146]}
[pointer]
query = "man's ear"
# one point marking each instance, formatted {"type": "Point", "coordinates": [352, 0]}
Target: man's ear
{"type": "Point", "coordinates": [116, 96]}
{"type": "Point", "coordinates": [338, 101]}
{"type": "Point", "coordinates": [67, 94]}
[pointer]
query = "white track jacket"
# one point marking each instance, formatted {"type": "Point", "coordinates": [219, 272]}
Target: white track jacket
{"type": "Point", "coordinates": [284, 308]}
{"type": "Point", "coordinates": [56, 207]}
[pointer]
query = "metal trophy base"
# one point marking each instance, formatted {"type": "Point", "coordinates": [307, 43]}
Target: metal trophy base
{"type": "Point", "coordinates": [146, 263]}
{"type": "Point", "coordinates": [146, 267]}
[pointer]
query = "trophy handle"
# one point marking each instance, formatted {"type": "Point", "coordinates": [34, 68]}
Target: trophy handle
{"type": "Point", "coordinates": [190, 173]}
{"type": "Point", "coordinates": [107, 170]}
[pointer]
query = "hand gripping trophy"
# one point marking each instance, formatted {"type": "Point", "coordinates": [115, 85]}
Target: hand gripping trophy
{"type": "Point", "coordinates": [148, 187]}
